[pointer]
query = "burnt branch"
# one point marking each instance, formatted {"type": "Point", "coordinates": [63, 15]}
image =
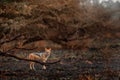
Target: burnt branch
{"type": "Point", "coordinates": [32, 39]}
{"type": "Point", "coordinates": [20, 49]}
{"type": "Point", "coordinates": [12, 39]}
{"type": "Point", "coordinates": [24, 59]}
{"type": "Point", "coordinates": [26, 48]}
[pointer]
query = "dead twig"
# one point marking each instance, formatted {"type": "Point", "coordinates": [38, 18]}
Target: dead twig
{"type": "Point", "coordinates": [26, 48]}
{"type": "Point", "coordinates": [12, 39]}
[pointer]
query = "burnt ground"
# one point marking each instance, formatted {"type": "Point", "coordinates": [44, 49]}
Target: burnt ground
{"type": "Point", "coordinates": [91, 64]}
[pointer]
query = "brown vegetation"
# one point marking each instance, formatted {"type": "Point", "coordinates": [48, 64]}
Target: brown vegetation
{"type": "Point", "coordinates": [61, 22]}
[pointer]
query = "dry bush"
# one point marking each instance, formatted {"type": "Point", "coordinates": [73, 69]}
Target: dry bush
{"type": "Point", "coordinates": [62, 21]}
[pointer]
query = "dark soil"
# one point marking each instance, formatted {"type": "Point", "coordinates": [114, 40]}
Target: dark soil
{"type": "Point", "coordinates": [74, 65]}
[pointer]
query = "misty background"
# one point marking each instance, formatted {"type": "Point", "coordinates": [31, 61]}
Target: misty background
{"type": "Point", "coordinates": [112, 6]}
